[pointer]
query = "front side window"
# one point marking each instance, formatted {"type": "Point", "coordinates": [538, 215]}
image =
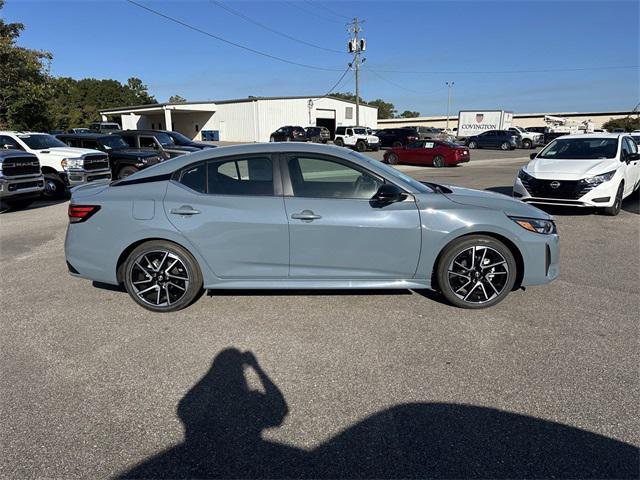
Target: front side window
{"type": "Point", "coordinates": [194, 177]}
{"type": "Point", "coordinates": [324, 178]}
{"type": "Point", "coordinates": [148, 142]}
{"type": "Point", "coordinates": [632, 147]}
{"type": "Point", "coordinates": [253, 176]}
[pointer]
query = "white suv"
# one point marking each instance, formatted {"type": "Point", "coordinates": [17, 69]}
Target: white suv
{"type": "Point", "coordinates": [585, 170]}
{"type": "Point", "coordinates": [62, 166]}
{"type": "Point", "coordinates": [357, 138]}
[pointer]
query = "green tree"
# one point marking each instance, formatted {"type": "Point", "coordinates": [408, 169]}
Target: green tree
{"type": "Point", "coordinates": [140, 91]}
{"type": "Point", "coordinates": [409, 114]}
{"type": "Point", "coordinates": [629, 123]}
{"type": "Point", "coordinates": [385, 109]}
{"type": "Point", "coordinates": [347, 96]}
{"type": "Point", "coordinates": [177, 99]}
{"type": "Point", "coordinates": [24, 82]}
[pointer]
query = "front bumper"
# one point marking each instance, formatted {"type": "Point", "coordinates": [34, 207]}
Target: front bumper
{"type": "Point", "coordinates": [601, 196]}
{"type": "Point", "coordinates": [72, 178]}
{"type": "Point", "coordinates": [541, 255]}
{"type": "Point", "coordinates": [16, 187]}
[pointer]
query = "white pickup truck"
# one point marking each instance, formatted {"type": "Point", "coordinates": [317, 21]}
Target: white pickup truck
{"type": "Point", "coordinates": [63, 167]}
{"type": "Point", "coordinates": [529, 139]}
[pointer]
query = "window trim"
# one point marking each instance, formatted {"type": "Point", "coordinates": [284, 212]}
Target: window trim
{"type": "Point", "coordinates": [286, 176]}
{"type": "Point", "coordinates": [275, 173]}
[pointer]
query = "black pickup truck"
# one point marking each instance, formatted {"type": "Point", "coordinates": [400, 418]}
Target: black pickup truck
{"type": "Point", "coordinates": [123, 159]}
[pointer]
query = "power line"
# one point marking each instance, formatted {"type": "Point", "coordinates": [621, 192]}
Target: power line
{"type": "Point", "coordinates": [237, 45]}
{"type": "Point", "coordinates": [485, 72]}
{"type": "Point", "coordinates": [391, 82]}
{"type": "Point", "coordinates": [344, 74]}
{"type": "Point", "coordinates": [327, 9]}
{"type": "Point", "coordinates": [307, 11]}
{"type": "Point", "coordinates": [272, 30]}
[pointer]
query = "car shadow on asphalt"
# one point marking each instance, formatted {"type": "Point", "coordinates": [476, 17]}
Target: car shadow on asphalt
{"type": "Point", "coordinates": [35, 205]}
{"type": "Point", "coordinates": [224, 418]}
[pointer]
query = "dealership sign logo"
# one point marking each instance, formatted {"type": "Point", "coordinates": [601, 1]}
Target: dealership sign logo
{"type": "Point", "coordinates": [479, 117]}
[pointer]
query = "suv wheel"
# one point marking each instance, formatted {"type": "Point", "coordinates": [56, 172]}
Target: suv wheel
{"type": "Point", "coordinates": [505, 146]}
{"type": "Point", "coordinates": [476, 272]}
{"type": "Point", "coordinates": [614, 209]}
{"type": "Point", "coordinates": [54, 189]}
{"type": "Point", "coordinates": [338, 142]}
{"type": "Point", "coordinates": [396, 144]}
{"type": "Point", "coordinates": [472, 144]}
{"type": "Point", "coordinates": [361, 146]}
{"type": "Point", "coordinates": [526, 143]}
{"type": "Point", "coordinates": [162, 276]}
{"type": "Point", "coordinates": [124, 172]}
{"type": "Point", "coordinates": [438, 161]}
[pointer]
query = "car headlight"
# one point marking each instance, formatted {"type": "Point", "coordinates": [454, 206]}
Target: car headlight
{"type": "Point", "coordinates": [598, 179]}
{"type": "Point", "coordinates": [522, 175]}
{"type": "Point", "coordinates": [536, 225]}
{"type": "Point", "coordinates": [70, 163]}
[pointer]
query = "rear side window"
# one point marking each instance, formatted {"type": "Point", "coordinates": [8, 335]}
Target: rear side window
{"type": "Point", "coordinates": [194, 177]}
{"type": "Point", "coordinates": [131, 140]}
{"type": "Point", "coordinates": [252, 176]}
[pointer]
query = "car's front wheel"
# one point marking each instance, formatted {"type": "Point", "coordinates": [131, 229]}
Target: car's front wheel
{"type": "Point", "coordinates": [438, 161]}
{"type": "Point", "coordinates": [614, 209]}
{"type": "Point", "coordinates": [505, 146]}
{"type": "Point", "coordinates": [54, 188]}
{"type": "Point", "coordinates": [526, 143]}
{"type": "Point", "coordinates": [476, 271]}
{"type": "Point", "coordinates": [272, 139]}
{"type": "Point", "coordinates": [472, 144]}
{"type": "Point", "coordinates": [162, 276]}
{"type": "Point", "coordinates": [124, 172]}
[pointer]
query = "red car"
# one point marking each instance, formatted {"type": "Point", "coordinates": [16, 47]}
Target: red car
{"type": "Point", "coordinates": [428, 152]}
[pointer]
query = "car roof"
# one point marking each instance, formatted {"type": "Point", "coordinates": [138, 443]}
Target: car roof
{"type": "Point", "coordinates": [20, 132]}
{"type": "Point", "coordinates": [88, 135]}
{"type": "Point", "coordinates": [142, 130]}
{"type": "Point", "coordinates": [594, 135]}
{"type": "Point", "coordinates": [15, 153]}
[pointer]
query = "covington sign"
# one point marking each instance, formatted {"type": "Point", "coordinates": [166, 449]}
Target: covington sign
{"type": "Point", "coordinates": [482, 126]}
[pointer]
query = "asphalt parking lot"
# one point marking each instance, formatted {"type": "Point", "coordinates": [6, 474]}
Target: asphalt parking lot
{"type": "Point", "coordinates": [351, 384]}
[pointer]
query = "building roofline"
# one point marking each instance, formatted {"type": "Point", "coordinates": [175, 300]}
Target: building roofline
{"type": "Point", "coordinates": [515, 115]}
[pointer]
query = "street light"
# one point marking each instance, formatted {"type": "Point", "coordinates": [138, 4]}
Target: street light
{"type": "Point", "coordinates": [449, 88]}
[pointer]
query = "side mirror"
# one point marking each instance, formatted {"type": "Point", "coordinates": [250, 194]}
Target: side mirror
{"type": "Point", "coordinates": [632, 157]}
{"type": "Point", "coordinates": [533, 155]}
{"type": "Point", "coordinates": [388, 193]}
{"type": "Point", "coordinates": [8, 146]}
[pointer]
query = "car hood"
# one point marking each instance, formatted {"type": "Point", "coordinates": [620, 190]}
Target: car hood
{"type": "Point", "coordinates": [372, 139]}
{"type": "Point", "coordinates": [181, 148]}
{"type": "Point", "coordinates": [200, 146]}
{"type": "Point", "coordinates": [68, 152]}
{"type": "Point", "coordinates": [134, 152]}
{"type": "Point", "coordinates": [550, 169]}
{"type": "Point", "coordinates": [494, 201]}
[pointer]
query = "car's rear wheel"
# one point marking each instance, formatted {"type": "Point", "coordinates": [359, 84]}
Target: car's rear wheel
{"type": "Point", "coordinates": [472, 144]}
{"type": "Point", "coordinates": [392, 159]}
{"type": "Point", "coordinates": [438, 161]}
{"type": "Point", "coordinates": [361, 146]}
{"type": "Point", "coordinates": [162, 276]}
{"type": "Point", "coordinates": [396, 144]}
{"type": "Point", "coordinates": [338, 142]}
{"type": "Point", "coordinates": [124, 172]}
{"type": "Point", "coordinates": [614, 209]}
{"type": "Point", "coordinates": [476, 271]}
{"type": "Point", "coordinates": [272, 139]}
{"type": "Point", "coordinates": [505, 146]}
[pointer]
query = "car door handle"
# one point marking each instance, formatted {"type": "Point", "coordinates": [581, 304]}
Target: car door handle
{"type": "Point", "coordinates": [184, 210]}
{"type": "Point", "coordinates": [305, 216]}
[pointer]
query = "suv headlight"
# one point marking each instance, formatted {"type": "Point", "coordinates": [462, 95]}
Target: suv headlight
{"type": "Point", "coordinates": [598, 179]}
{"type": "Point", "coordinates": [536, 225]}
{"type": "Point", "coordinates": [522, 175]}
{"type": "Point", "coordinates": [71, 163]}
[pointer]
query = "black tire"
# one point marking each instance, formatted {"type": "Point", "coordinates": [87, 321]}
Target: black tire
{"type": "Point", "coordinates": [505, 146]}
{"type": "Point", "coordinates": [614, 209]}
{"type": "Point", "coordinates": [324, 142]}
{"type": "Point", "coordinates": [54, 188]}
{"type": "Point", "coordinates": [338, 142]}
{"type": "Point", "coordinates": [396, 144]}
{"type": "Point", "coordinates": [375, 149]}
{"type": "Point", "coordinates": [161, 280]}
{"type": "Point", "coordinates": [438, 161]}
{"type": "Point", "coordinates": [18, 204]}
{"type": "Point", "coordinates": [392, 159]}
{"type": "Point", "coordinates": [125, 171]}
{"type": "Point", "coordinates": [472, 145]}
{"type": "Point", "coordinates": [272, 139]}
{"type": "Point", "coordinates": [450, 283]}
{"type": "Point", "coordinates": [526, 143]}
{"type": "Point", "coordinates": [361, 146]}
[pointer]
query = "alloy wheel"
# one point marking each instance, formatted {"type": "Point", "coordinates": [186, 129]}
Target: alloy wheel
{"type": "Point", "coordinates": [478, 274]}
{"type": "Point", "coordinates": [159, 278]}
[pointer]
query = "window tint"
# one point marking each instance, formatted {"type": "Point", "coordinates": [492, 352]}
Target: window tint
{"type": "Point", "coordinates": [633, 146]}
{"type": "Point", "coordinates": [147, 142]}
{"type": "Point", "coordinates": [194, 178]}
{"type": "Point", "coordinates": [90, 144]}
{"type": "Point", "coordinates": [323, 178]}
{"type": "Point", "coordinates": [340, 131]}
{"type": "Point", "coordinates": [6, 140]}
{"type": "Point", "coordinates": [131, 140]}
{"type": "Point", "coordinates": [253, 176]}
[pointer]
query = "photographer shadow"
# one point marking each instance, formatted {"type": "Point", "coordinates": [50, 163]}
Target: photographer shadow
{"type": "Point", "coordinates": [224, 419]}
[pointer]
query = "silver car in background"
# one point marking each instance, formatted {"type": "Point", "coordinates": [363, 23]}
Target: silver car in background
{"type": "Point", "coordinates": [301, 216]}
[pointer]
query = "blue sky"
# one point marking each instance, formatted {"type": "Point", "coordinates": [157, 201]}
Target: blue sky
{"type": "Point", "coordinates": [114, 39]}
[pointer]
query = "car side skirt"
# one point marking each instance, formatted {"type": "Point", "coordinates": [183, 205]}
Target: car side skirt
{"type": "Point", "coordinates": [338, 284]}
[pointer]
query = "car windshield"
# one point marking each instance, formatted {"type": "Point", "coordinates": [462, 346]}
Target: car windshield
{"type": "Point", "coordinates": [109, 126]}
{"type": "Point", "coordinates": [419, 187]}
{"type": "Point", "coordinates": [164, 139]}
{"type": "Point", "coordinates": [180, 137]}
{"type": "Point", "coordinates": [359, 131]}
{"type": "Point", "coordinates": [41, 141]}
{"type": "Point", "coordinates": [113, 141]}
{"type": "Point", "coordinates": [581, 149]}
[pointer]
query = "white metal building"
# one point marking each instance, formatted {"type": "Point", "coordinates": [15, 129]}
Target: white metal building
{"type": "Point", "coordinates": [251, 119]}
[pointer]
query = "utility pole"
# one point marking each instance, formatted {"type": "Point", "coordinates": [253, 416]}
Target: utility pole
{"type": "Point", "coordinates": [356, 46]}
{"type": "Point", "coordinates": [449, 88]}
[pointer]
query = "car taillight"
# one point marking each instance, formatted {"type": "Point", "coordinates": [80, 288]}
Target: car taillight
{"type": "Point", "coordinates": [81, 213]}
{"type": "Point", "coordinates": [412, 138]}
